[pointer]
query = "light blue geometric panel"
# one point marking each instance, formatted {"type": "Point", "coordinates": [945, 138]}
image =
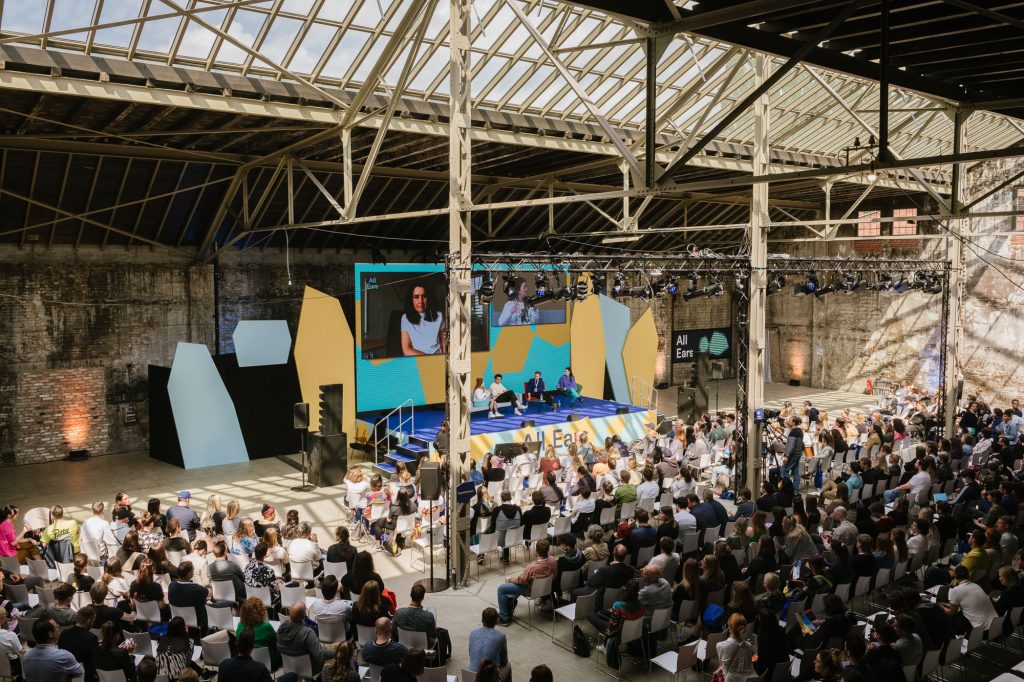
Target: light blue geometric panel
{"type": "Point", "coordinates": [615, 320]}
{"type": "Point", "coordinates": [262, 342]}
{"type": "Point", "coordinates": [204, 415]}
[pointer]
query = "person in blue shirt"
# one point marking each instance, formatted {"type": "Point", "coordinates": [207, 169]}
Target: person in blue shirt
{"type": "Point", "coordinates": [1009, 429]}
{"type": "Point", "coordinates": [45, 662]}
{"type": "Point", "coordinates": [854, 482]}
{"type": "Point", "coordinates": [487, 643]}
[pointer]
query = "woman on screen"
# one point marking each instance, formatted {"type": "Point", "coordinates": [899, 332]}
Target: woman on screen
{"type": "Point", "coordinates": [518, 310]}
{"type": "Point", "coordinates": [422, 324]}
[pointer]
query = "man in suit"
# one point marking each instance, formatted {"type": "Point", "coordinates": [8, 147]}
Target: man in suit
{"type": "Point", "coordinates": [224, 569]}
{"type": "Point", "coordinates": [241, 667]}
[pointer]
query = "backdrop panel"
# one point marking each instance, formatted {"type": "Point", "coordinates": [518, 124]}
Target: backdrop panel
{"type": "Point", "coordinates": [638, 356]}
{"type": "Point", "coordinates": [615, 325]}
{"type": "Point", "coordinates": [588, 347]}
{"type": "Point", "coordinates": [324, 351]}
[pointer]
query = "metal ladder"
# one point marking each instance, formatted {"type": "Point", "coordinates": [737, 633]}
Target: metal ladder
{"type": "Point", "coordinates": [647, 394]}
{"type": "Point", "coordinates": [406, 415]}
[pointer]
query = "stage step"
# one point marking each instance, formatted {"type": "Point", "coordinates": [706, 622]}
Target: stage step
{"type": "Point", "coordinates": [420, 441]}
{"type": "Point", "coordinates": [412, 450]}
{"type": "Point", "coordinates": [387, 469]}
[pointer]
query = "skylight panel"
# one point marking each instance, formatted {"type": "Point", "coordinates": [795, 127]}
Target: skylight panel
{"type": "Point", "coordinates": [71, 14]}
{"type": "Point", "coordinates": [198, 40]}
{"type": "Point", "coordinates": [115, 10]}
{"type": "Point", "coordinates": [245, 27]}
{"type": "Point", "coordinates": [312, 48]}
{"type": "Point", "coordinates": [23, 17]}
{"type": "Point", "coordinates": [279, 38]}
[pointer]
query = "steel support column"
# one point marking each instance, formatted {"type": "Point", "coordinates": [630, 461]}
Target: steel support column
{"type": "Point", "coordinates": [759, 219]}
{"type": "Point", "coordinates": [459, 267]}
{"type": "Point", "coordinates": [955, 286]}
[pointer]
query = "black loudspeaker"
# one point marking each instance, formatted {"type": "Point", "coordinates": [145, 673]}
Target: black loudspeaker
{"type": "Point", "coordinates": [300, 416]}
{"type": "Point", "coordinates": [622, 410]}
{"type": "Point", "coordinates": [794, 382]}
{"type": "Point", "coordinates": [430, 480]}
{"type": "Point", "coordinates": [573, 417]}
{"type": "Point", "coordinates": [527, 422]}
{"type": "Point", "coordinates": [330, 409]}
{"type": "Point", "coordinates": [717, 371]}
{"type": "Point", "coordinates": [328, 459]}
{"type": "Point", "coordinates": [78, 455]}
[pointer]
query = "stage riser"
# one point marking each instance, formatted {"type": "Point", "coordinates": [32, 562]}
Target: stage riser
{"type": "Point", "coordinates": [560, 434]}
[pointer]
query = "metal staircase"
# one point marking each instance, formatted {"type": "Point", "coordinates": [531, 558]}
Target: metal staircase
{"type": "Point", "coordinates": [397, 443]}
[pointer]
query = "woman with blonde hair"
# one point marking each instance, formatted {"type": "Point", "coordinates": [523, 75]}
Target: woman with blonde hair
{"type": "Point", "coordinates": [550, 461]}
{"type": "Point", "coordinates": [596, 550]}
{"type": "Point", "coordinates": [277, 556]}
{"type": "Point", "coordinates": [339, 669]}
{"type": "Point", "coordinates": [758, 528]}
{"type": "Point", "coordinates": [213, 517]}
{"type": "Point", "coordinates": [229, 524]}
{"type": "Point", "coordinates": [117, 584]}
{"type": "Point", "coordinates": [244, 540]}
{"type": "Point", "coordinates": [252, 616]}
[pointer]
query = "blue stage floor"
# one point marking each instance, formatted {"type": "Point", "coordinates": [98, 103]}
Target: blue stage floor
{"type": "Point", "coordinates": [428, 421]}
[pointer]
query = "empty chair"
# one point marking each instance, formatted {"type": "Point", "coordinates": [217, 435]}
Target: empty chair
{"type": "Point", "coordinates": [331, 629]}
{"type": "Point", "coordinates": [583, 607]}
{"type": "Point", "coordinates": [336, 568]}
{"type": "Point", "coordinates": [300, 665]}
{"type": "Point", "coordinates": [674, 662]}
{"type": "Point", "coordinates": [215, 652]}
{"type": "Point", "coordinates": [220, 618]}
{"type": "Point", "coordinates": [148, 611]}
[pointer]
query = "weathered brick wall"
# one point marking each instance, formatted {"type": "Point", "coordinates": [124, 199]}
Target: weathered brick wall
{"type": "Point", "coordinates": [77, 331]}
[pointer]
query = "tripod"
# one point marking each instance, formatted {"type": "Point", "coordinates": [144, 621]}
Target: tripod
{"type": "Point", "coordinates": [305, 487]}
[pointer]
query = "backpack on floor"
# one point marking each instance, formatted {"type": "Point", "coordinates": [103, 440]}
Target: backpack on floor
{"type": "Point", "coordinates": [580, 643]}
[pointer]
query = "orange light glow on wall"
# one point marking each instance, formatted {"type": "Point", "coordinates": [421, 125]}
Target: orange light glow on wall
{"type": "Point", "coordinates": [76, 426]}
{"type": "Point", "coordinates": [796, 363]}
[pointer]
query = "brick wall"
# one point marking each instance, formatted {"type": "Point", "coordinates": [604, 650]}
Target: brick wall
{"type": "Point", "coordinates": [61, 410]}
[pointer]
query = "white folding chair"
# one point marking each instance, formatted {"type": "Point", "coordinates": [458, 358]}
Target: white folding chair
{"type": "Point", "coordinates": [332, 630]}
{"type": "Point", "coordinates": [262, 654]}
{"type": "Point", "coordinates": [148, 611]}
{"type": "Point", "coordinates": [302, 570]}
{"type": "Point", "coordinates": [220, 617]}
{"type": "Point", "coordinates": [263, 593]}
{"type": "Point", "coordinates": [223, 590]}
{"type": "Point", "coordinates": [110, 675]}
{"type": "Point", "coordinates": [292, 595]}
{"type": "Point", "coordinates": [300, 665]}
{"type": "Point", "coordinates": [488, 543]}
{"type": "Point", "coordinates": [187, 613]}
{"type": "Point", "coordinates": [336, 568]}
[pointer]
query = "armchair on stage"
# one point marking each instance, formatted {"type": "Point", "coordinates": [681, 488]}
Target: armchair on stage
{"type": "Point", "coordinates": [535, 398]}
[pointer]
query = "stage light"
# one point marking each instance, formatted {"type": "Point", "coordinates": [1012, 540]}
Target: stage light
{"type": "Point", "coordinates": [672, 285]}
{"type": "Point", "coordinates": [598, 284]}
{"type": "Point", "coordinates": [860, 282]}
{"type": "Point", "coordinates": [826, 289]}
{"type": "Point", "coordinates": [618, 285]}
{"type": "Point", "coordinates": [809, 286]}
{"type": "Point", "coordinates": [848, 283]}
{"type": "Point", "coordinates": [713, 289]}
{"type": "Point", "coordinates": [902, 285]}
{"type": "Point", "coordinates": [776, 283]}
{"type": "Point", "coordinates": [883, 283]}
{"type": "Point", "coordinates": [934, 284]}
{"type": "Point", "coordinates": [645, 292]}
{"type": "Point", "coordinates": [487, 289]}
{"type": "Point", "coordinates": [568, 291]}
{"type": "Point", "coordinates": [693, 286]}
{"type": "Point", "coordinates": [542, 285]}
{"type": "Point", "coordinates": [920, 280]}
{"type": "Point", "coordinates": [510, 286]}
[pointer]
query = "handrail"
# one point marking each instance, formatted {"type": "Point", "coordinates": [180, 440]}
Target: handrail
{"type": "Point", "coordinates": [645, 391]}
{"type": "Point", "coordinates": [402, 421]}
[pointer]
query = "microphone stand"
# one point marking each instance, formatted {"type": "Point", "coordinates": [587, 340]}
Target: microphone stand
{"type": "Point", "coordinates": [305, 487]}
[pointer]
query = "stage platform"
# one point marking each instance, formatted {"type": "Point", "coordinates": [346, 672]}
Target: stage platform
{"type": "Point", "coordinates": [599, 418]}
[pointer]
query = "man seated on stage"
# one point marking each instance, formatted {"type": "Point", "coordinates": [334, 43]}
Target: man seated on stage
{"type": "Point", "coordinates": [502, 394]}
{"type": "Point", "coordinates": [535, 389]}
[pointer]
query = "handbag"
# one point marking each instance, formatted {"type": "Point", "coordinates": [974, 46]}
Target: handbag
{"type": "Point", "coordinates": [718, 676]}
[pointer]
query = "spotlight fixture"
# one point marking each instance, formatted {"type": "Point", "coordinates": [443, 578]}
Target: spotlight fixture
{"type": "Point", "coordinates": [487, 289]}
{"type": "Point", "coordinates": [542, 286]}
{"type": "Point", "coordinates": [883, 283]}
{"type": "Point", "coordinates": [860, 282]}
{"type": "Point", "coordinates": [618, 285]}
{"type": "Point", "coordinates": [809, 286]}
{"type": "Point", "coordinates": [510, 285]}
{"type": "Point", "coordinates": [645, 292]}
{"type": "Point", "coordinates": [567, 292]}
{"type": "Point", "coordinates": [902, 285]}
{"type": "Point", "coordinates": [708, 290]}
{"type": "Point", "coordinates": [672, 285]}
{"type": "Point", "coordinates": [826, 289]}
{"type": "Point", "coordinates": [934, 285]}
{"type": "Point", "coordinates": [693, 285]}
{"type": "Point", "coordinates": [776, 283]}
{"type": "Point", "coordinates": [920, 280]}
{"type": "Point", "coordinates": [598, 283]}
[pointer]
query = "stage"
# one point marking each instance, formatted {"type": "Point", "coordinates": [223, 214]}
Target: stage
{"type": "Point", "coordinates": [598, 418]}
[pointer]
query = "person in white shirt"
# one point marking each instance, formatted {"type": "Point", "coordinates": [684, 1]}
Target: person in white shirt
{"type": "Point", "coordinates": [302, 549]}
{"type": "Point", "coordinates": [200, 563]}
{"type": "Point", "coordinates": [501, 394]}
{"type": "Point", "coordinates": [917, 543]}
{"type": "Point", "coordinates": [522, 464]}
{"type": "Point", "coordinates": [330, 607]}
{"type": "Point", "coordinates": [356, 487]}
{"type": "Point", "coordinates": [422, 324]}
{"type": "Point", "coordinates": [96, 530]}
{"type": "Point", "coordinates": [970, 599]}
{"type": "Point", "coordinates": [517, 310]}
{"type": "Point", "coordinates": [922, 480]}
{"type": "Point", "coordinates": [481, 397]}
{"type": "Point", "coordinates": [9, 642]}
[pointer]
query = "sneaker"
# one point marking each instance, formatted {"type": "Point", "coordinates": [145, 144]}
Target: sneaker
{"type": "Point", "coordinates": [519, 413]}
{"type": "Point", "coordinates": [505, 623]}
{"type": "Point", "coordinates": [492, 415]}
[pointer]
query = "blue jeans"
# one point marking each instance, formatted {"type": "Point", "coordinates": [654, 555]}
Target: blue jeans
{"type": "Point", "coordinates": [792, 471]}
{"type": "Point", "coordinates": [508, 595]}
{"type": "Point", "coordinates": [890, 495]}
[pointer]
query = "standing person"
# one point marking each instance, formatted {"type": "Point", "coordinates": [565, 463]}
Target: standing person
{"type": "Point", "coordinates": [486, 643]}
{"type": "Point", "coordinates": [186, 515]}
{"type": "Point", "coordinates": [45, 662]}
{"type": "Point", "coordinates": [567, 385]}
{"type": "Point", "coordinates": [422, 324]}
{"type": "Point", "coordinates": [501, 394]}
{"type": "Point", "coordinates": [794, 453]}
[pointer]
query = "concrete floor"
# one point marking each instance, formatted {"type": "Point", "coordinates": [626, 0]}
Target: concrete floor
{"type": "Point", "coordinates": [722, 395]}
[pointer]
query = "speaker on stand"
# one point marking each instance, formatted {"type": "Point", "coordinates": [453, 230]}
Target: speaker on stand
{"type": "Point", "coordinates": [300, 419]}
{"type": "Point", "coordinates": [717, 373]}
{"type": "Point", "coordinates": [431, 488]}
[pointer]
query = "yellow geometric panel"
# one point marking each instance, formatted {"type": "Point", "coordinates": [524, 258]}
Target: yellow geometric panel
{"type": "Point", "coordinates": [430, 369]}
{"type": "Point", "coordinates": [511, 349]}
{"type": "Point", "coordinates": [639, 354]}
{"type": "Point", "coordinates": [555, 334]}
{"type": "Point", "coordinates": [325, 354]}
{"type": "Point", "coordinates": [587, 346]}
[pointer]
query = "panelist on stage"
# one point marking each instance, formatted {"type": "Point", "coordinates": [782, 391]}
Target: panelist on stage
{"type": "Point", "coordinates": [535, 389]}
{"type": "Point", "coordinates": [567, 385]}
{"type": "Point", "coordinates": [500, 394]}
{"type": "Point", "coordinates": [422, 324]}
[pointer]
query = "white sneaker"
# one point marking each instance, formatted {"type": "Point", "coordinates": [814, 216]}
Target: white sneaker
{"type": "Point", "coordinates": [518, 413]}
{"type": "Point", "coordinates": [496, 415]}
